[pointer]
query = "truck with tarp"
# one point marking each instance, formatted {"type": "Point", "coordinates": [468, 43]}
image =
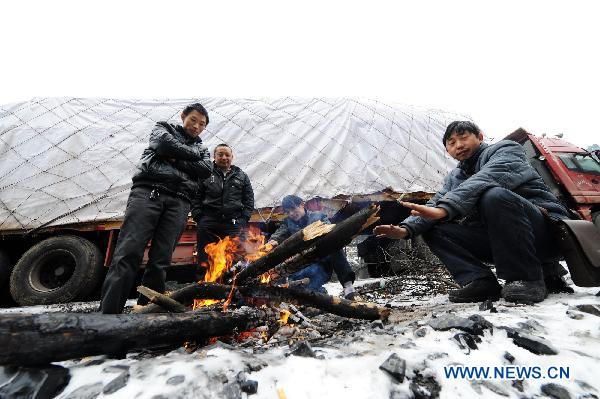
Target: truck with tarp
{"type": "Point", "coordinates": [66, 167]}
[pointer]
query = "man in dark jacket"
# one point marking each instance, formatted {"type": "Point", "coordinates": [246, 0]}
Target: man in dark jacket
{"type": "Point", "coordinates": [494, 207]}
{"type": "Point", "coordinates": [223, 204]}
{"type": "Point", "coordinates": [158, 205]}
{"type": "Point", "coordinates": [319, 272]}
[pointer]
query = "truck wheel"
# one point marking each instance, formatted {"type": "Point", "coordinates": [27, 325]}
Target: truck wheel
{"type": "Point", "coordinates": [5, 267]}
{"type": "Point", "coordinates": [56, 270]}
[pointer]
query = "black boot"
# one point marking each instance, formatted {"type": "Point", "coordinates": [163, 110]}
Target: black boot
{"type": "Point", "coordinates": [556, 285]}
{"type": "Point", "coordinates": [527, 292]}
{"type": "Point", "coordinates": [477, 291]}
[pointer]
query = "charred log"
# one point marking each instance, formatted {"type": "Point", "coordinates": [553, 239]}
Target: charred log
{"type": "Point", "coordinates": [334, 305]}
{"type": "Point", "coordinates": [40, 339]}
{"type": "Point", "coordinates": [340, 236]}
{"type": "Point", "coordinates": [297, 242]}
{"type": "Point", "coordinates": [336, 238]}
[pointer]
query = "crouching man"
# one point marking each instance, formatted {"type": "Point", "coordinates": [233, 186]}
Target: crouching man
{"type": "Point", "coordinates": [494, 208]}
{"type": "Point", "coordinates": [319, 272]}
{"type": "Point", "coordinates": [158, 206]}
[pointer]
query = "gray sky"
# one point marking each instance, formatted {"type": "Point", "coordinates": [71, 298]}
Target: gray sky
{"type": "Point", "coordinates": [507, 64]}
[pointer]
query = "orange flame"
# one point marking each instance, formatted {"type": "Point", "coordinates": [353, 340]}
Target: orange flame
{"type": "Point", "coordinates": [265, 278]}
{"type": "Point", "coordinates": [251, 333]}
{"type": "Point", "coordinates": [283, 316]}
{"type": "Point", "coordinates": [255, 246]}
{"type": "Point", "coordinates": [230, 296]}
{"type": "Point", "coordinates": [220, 257]}
{"type": "Point", "coordinates": [199, 303]}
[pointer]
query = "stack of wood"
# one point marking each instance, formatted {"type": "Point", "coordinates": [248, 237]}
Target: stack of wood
{"type": "Point", "coordinates": [170, 319]}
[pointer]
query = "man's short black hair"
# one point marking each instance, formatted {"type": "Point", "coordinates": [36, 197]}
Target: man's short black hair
{"type": "Point", "coordinates": [290, 202]}
{"type": "Point", "coordinates": [460, 127]}
{"type": "Point", "coordinates": [222, 145]}
{"type": "Point", "coordinates": [196, 107]}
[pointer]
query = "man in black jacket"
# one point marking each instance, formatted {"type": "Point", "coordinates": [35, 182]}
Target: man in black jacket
{"type": "Point", "coordinates": [158, 205]}
{"type": "Point", "coordinates": [223, 204]}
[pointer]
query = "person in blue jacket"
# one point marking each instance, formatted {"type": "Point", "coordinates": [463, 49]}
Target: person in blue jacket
{"type": "Point", "coordinates": [319, 272]}
{"type": "Point", "coordinates": [493, 208]}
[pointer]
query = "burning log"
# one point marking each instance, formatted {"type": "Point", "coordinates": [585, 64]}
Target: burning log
{"type": "Point", "coordinates": [335, 305]}
{"type": "Point", "coordinates": [297, 242]}
{"type": "Point", "coordinates": [39, 339]}
{"type": "Point", "coordinates": [331, 239]}
{"type": "Point", "coordinates": [336, 239]}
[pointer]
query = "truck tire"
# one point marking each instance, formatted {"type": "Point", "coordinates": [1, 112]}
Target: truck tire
{"type": "Point", "coordinates": [5, 268]}
{"type": "Point", "coordinates": [56, 270]}
{"type": "Point", "coordinates": [596, 220]}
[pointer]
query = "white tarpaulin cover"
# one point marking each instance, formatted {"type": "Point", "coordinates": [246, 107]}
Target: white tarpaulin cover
{"type": "Point", "coordinates": [70, 160]}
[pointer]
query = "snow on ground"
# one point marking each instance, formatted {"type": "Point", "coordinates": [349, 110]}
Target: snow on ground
{"type": "Point", "coordinates": [346, 363]}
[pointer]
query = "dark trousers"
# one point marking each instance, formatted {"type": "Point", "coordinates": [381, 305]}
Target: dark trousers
{"type": "Point", "coordinates": [515, 236]}
{"type": "Point", "coordinates": [210, 230]}
{"type": "Point", "coordinates": [160, 219]}
{"type": "Point", "coordinates": [320, 272]}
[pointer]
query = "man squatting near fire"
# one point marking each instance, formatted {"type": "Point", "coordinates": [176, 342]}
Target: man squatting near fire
{"type": "Point", "coordinates": [319, 272]}
{"type": "Point", "coordinates": [493, 207]}
{"type": "Point", "coordinates": [158, 206]}
{"type": "Point", "coordinates": [223, 204]}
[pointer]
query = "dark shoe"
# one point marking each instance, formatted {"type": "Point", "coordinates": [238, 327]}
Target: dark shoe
{"type": "Point", "coordinates": [556, 285]}
{"type": "Point", "coordinates": [353, 296]}
{"type": "Point", "coordinates": [525, 291]}
{"type": "Point", "coordinates": [477, 291]}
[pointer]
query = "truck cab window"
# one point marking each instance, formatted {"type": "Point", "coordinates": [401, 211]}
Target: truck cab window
{"type": "Point", "coordinates": [582, 163]}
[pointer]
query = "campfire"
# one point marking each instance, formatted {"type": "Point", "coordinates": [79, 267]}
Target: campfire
{"type": "Point", "coordinates": [241, 295]}
{"type": "Point", "coordinates": [223, 253]}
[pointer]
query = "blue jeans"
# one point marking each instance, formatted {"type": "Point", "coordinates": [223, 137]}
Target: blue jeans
{"type": "Point", "coordinates": [317, 274]}
{"type": "Point", "coordinates": [320, 272]}
{"type": "Point", "coordinates": [514, 235]}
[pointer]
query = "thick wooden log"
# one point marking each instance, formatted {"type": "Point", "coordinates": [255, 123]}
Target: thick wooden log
{"type": "Point", "coordinates": [297, 242]}
{"type": "Point", "coordinates": [340, 236]}
{"type": "Point", "coordinates": [28, 339]}
{"type": "Point", "coordinates": [332, 239]}
{"type": "Point", "coordinates": [331, 304]}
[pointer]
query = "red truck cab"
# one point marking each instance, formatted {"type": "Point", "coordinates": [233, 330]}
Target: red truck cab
{"type": "Point", "coordinates": [572, 173]}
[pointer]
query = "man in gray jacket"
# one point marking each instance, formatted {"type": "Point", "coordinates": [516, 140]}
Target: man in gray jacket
{"type": "Point", "coordinates": [158, 206]}
{"type": "Point", "coordinates": [493, 208]}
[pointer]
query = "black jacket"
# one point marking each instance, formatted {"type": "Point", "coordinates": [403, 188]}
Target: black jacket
{"type": "Point", "coordinates": [174, 162]}
{"type": "Point", "coordinates": [226, 197]}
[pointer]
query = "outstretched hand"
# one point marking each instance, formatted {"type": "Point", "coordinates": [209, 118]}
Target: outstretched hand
{"type": "Point", "coordinates": [390, 231]}
{"type": "Point", "coordinates": [427, 212]}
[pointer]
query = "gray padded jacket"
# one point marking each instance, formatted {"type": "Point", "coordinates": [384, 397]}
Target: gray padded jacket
{"type": "Point", "coordinates": [503, 164]}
